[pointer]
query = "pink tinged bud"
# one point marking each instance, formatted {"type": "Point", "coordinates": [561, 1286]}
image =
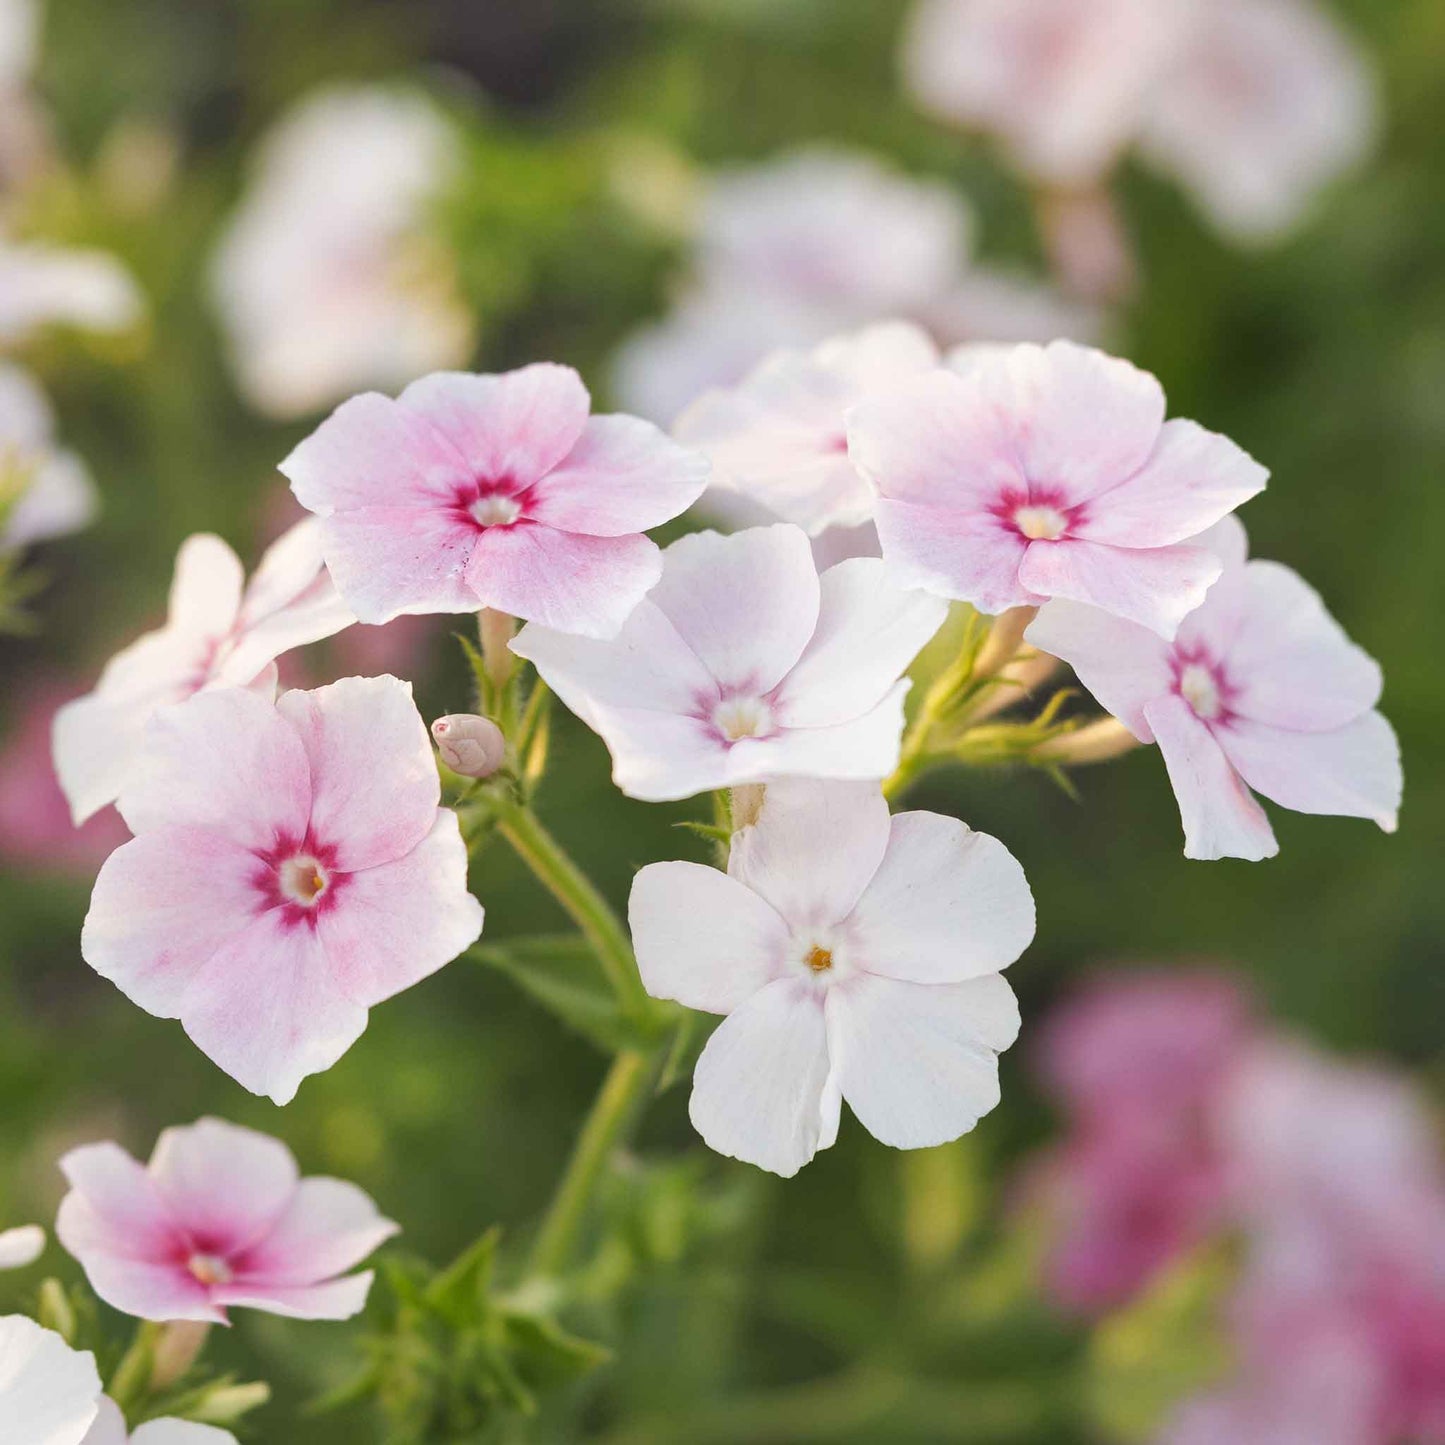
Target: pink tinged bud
{"type": "Point", "coordinates": [470, 745]}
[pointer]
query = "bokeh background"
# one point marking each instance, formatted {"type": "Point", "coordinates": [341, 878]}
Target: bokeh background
{"type": "Point", "coordinates": [588, 128]}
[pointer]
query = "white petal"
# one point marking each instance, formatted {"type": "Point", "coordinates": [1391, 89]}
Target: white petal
{"type": "Point", "coordinates": [180, 1432]}
{"type": "Point", "coordinates": [21, 1246]}
{"type": "Point", "coordinates": [206, 588]}
{"type": "Point", "coordinates": [49, 1393]}
{"type": "Point", "coordinates": [865, 748]}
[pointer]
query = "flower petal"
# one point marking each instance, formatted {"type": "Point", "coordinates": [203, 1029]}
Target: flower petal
{"type": "Point", "coordinates": [758, 1091]}
{"type": "Point", "coordinates": [702, 937]}
{"type": "Point", "coordinates": [622, 476]}
{"type": "Point", "coordinates": [863, 749]}
{"type": "Point", "coordinates": [918, 1063]}
{"type": "Point", "coordinates": [328, 1226]}
{"type": "Point", "coordinates": [1157, 587]}
{"type": "Point", "coordinates": [109, 1427]}
{"type": "Point", "coordinates": [337, 1299]}
{"type": "Point", "coordinates": [1221, 818]}
{"type": "Point", "coordinates": [946, 904]}
{"type": "Point", "coordinates": [659, 757]}
{"type": "Point", "coordinates": [206, 587]}
{"type": "Point", "coordinates": [970, 556]}
{"type": "Point", "coordinates": [113, 1207]}
{"type": "Point", "coordinates": [22, 1246]}
{"type": "Point", "coordinates": [177, 1432]}
{"type": "Point", "coordinates": [49, 1393]}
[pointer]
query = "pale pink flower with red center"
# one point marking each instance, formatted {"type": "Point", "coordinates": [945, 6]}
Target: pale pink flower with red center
{"type": "Point", "coordinates": [49, 1393]}
{"type": "Point", "coordinates": [110, 1429]}
{"type": "Point", "coordinates": [780, 437]}
{"type": "Point", "coordinates": [1261, 689]}
{"type": "Point", "coordinates": [742, 665]}
{"type": "Point", "coordinates": [857, 957]}
{"type": "Point", "coordinates": [220, 632]}
{"type": "Point", "coordinates": [1048, 472]}
{"type": "Point", "coordinates": [219, 1217]}
{"type": "Point", "coordinates": [493, 491]}
{"type": "Point", "coordinates": [290, 869]}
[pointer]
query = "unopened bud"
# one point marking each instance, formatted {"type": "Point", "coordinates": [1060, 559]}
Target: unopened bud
{"type": "Point", "coordinates": [226, 1404]}
{"type": "Point", "coordinates": [178, 1348]}
{"type": "Point", "coordinates": [1098, 742]}
{"type": "Point", "coordinates": [470, 745]}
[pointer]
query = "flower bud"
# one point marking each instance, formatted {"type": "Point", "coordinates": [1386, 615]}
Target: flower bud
{"type": "Point", "coordinates": [470, 745]}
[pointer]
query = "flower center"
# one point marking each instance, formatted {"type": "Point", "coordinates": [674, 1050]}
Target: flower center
{"type": "Point", "coordinates": [496, 509]}
{"type": "Point", "coordinates": [303, 880]}
{"type": "Point", "coordinates": [210, 1269]}
{"type": "Point", "coordinates": [1200, 689]}
{"type": "Point", "coordinates": [743, 717]}
{"type": "Point", "coordinates": [820, 960]}
{"type": "Point", "coordinates": [1040, 524]}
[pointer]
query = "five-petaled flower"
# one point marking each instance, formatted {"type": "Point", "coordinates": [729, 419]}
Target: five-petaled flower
{"type": "Point", "coordinates": [220, 1217]}
{"type": "Point", "coordinates": [493, 491]}
{"type": "Point", "coordinates": [290, 869]}
{"type": "Point", "coordinates": [220, 632]}
{"type": "Point", "coordinates": [857, 957]}
{"type": "Point", "coordinates": [1048, 472]}
{"type": "Point", "coordinates": [743, 664]}
{"type": "Point", "coordinates": [1260, 689]}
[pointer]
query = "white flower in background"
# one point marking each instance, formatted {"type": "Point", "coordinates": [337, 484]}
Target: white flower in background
{"type": "Point", "coordinates": [43, 285]}
{"type": "Point", "coordinates": [325, 282]}
{"type": "Point", "coordinates": [22, 1246]}
{"type": "Point", "coordinates": [109, 1429]}
{"type": "Point", "coordinates": [19, 41]}
{"type": "Point", "coordinates": [44, 492]}
{"type": "Point", "coordinates": [49, 1393]}
{"type": "Point", "coordinates": [857, 957]}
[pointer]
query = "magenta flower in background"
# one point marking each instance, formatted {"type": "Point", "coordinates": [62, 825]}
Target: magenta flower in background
{"type": "Point", "coordinates": [1048, 472]}
{"type": "Point", "coordinates": [290, 870]}
{"type": "Point", "coordinates": [220, 632]}
{"type": "Point", "coordinates": [220, 1217]}
{"type": "Point", "coordinates": [857, 957]}
{"type": "Point", "coordinates": [493, 491]}
{"type": "Point", "coordinates": [49, 1393]}
{"type": "Point", "coordinates": [743, 665]}
{"type": "Point", "coordinates": [1260, 689]}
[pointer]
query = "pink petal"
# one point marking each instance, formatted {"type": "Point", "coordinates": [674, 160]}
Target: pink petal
{"type": "Point", "coordinates": [946, 904]}
{"type": "Point", "coordinates": [868, 633]}
{"type": "Point", "coordinates": [514, 427]}
{"type": "Point", "coordinates": [1158, 587]}
{"type": "Point", "coordinates": [391, 561]}
{"type": "Point", "coordinates": [266, 1009]}
{"type": "Point", "coordinates": [206, 588]}
{"type": "Point", "coordinates": [327, 1227]}
{"type": "Point", "coordinates": [918, 1063]}
{"type": "Point", "coordinates": [373, 780]}
{"type": "Point", "coordinates": [575, 583]}
{"type": "Point", "coordinates": [814, 848]}
{"type": "Point", "coordinates": [1221, 819]}
{"type": "Point", "coordinates": [375, 452]}
{"type": "Point", "coordinates": [622, 476]}
{"type": "Point", "coordinates": [337, 1299]}
{"type": "Point", "coordinates": [970, 556]}
{"type": "Point", "coordinates": [757, 1094]}
{"type": "Point", "coordinates": [226, 1185]}
{"type": "Point", "coordinates": [113, 1207]}
{"type": "Point", "coordinates": [747, 604]}
{"type": "Point", "coordinates": [394, 924]}
{"type": "Point", "coordinates": [703, 938]}
{"type": "Point", "coordinates": [1353, 771]}
{"type": "Point", "coordinates": [162, 905]}
{"type": "Point", "coordinates": [1194, 478]}
{"type": "Point", "coordinates": [225, 761]}
{"type": "Point", "coordinates": [1122, 664]}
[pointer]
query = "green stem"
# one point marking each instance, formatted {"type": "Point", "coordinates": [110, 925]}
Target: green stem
{"type": "Point", "coordinates": [621, 1091]}
{"type": "Point", "coordinates": [601, 927]}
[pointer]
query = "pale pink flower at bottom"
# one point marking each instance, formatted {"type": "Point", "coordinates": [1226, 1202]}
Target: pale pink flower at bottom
{"type": "Point", "coordinates": [110, 1429]}
{"type": "Point", "coordinates": [856, 957]}
{"type": "Point", "coordinates": [291, 869]}
{"type": "Point", "coordinates": [1047, 472]}
{"type": "Point", "coordinates": [220, 1217]}
{"type": "Point", "coordinates": [1261, 689]}
{"type": "Point", "coordinates": [49, 1393]}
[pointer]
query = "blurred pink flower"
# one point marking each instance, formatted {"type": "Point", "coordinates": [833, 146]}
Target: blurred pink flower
{"type": "Point", "coordinates": [1260, 689]}
{"type": "Point", "coordinates": [44, 492]}
{"type": "Point", "coordinates": [290, 870]}
{"type": "Point", "coordinates": [110, 1429]}
{"type": "Point", "coordinates": [49, 1393]}
{"type": "Point", "coordinates": [493, 491]}
{"type": "Point", "coordinates": [36, 830]}
{"type": "Point", "coordinates": [325, 282]}
{"type": "Point", "coordinates": [220, 632]}
{"type": "Point", "coordinates": [857, 957]}
{"type": "Point", "coordinates": [743, 665]}
{"type": "Point", "coordinates": [1048, 472]}
{"type": "Point", "coordinates": [220, 1217]}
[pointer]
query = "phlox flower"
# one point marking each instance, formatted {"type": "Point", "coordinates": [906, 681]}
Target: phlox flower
{"type": "Point", "coordinates": [324, 281]}
{"type": "Point", "coordinates": [21, 1246]}
{"type": "Point", "coordinates": [44, 491]}
{"type": "Point", "coordinates": [109, 1429]}
{"type": "Point", "coordinates": [856, 957]}
{"type": "Point", "coordinates": [290, 869]}
{"type": "Point", "coordinates": [1048, 472]}
{"type": "Point", "coordinates": [493, 491]}
{"type": "Point", "coordinates": [43, 285]}
{"type": "Point", "coordinates": [49, 1393]}
{"type": "Point", "coordinates": [220, 632]}
{"type": "Point", "coordinates": [742, 665]}
{"type": "Point", "coordinates": [780, 436]}
{"type": "Point", "coordinates": [1261, 690]}
{"type": "Point", "coordinates": [219, 1217]}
